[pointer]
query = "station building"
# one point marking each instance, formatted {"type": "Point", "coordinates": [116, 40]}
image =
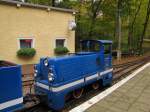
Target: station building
{"type": "Point", "coordinates": [24, 25]}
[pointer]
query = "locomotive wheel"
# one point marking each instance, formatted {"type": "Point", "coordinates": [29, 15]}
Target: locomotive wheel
{"type": "Point", "coordinates": [95, 85]}
{"type": "Point", "coordinates": [78, 93]}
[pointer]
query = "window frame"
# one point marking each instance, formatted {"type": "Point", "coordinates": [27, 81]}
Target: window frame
{"type": "Point", "coordinates": [32, 43]}
{"type": "Point", "coordinates": [109, 50]}
{"type": "Point", "coordinates": [65, 42]}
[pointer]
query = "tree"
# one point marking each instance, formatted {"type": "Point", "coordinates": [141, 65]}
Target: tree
{"type": "Point", "coordinates": [53, 3]}
{"type": "Point", "coordinates": [118, 28]}
{"type": "Point", "coordinates": [131, 25]}
{"type": "Point", "coordinates": [41, 2]}
{"type": "Point", "coordinates": [145, 27]}
{"type": "Point", "coordinates": [116, 20]}
{"type": "Point", "coordinates": [94, 11]}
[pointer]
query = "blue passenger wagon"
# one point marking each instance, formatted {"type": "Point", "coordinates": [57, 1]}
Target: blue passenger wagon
{"type": "Point", "coordinates": [56, 77]}
{"type": "Point", "coordinates": [11, 98]}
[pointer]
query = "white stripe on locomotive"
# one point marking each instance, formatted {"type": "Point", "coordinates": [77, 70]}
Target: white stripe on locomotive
{"type": "Point", "coordinates": [11, 103]}
{"type": "Point", "coordinates": [60, 88]}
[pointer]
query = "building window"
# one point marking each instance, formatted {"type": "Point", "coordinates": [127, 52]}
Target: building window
{"type": "Point", "coordinates": [60, 42]}
{"type": "Point", "coordinates": [26, 43]}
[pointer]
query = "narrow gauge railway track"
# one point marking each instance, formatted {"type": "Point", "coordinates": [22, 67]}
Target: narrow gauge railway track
{"type": "Point", "coordinates": [120, 71]}
{"type": "Point", "coordinates": [115, 66]}
{"type": "Point", "coordinates": [28, 82]}
{"type": "Point", "coordinates": [36, 108]}
{"type": "Point", "coordinates": [124, 69]}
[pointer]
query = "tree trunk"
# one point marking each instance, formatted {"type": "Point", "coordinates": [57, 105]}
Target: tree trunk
{"type": "Point", "coordinates": [130, 34]}
{"type": "Point", "coordinates": [77, 32]}
{"type": "Point", "coordinates": [53, 3]}
{"type": "Point", "coordinates": [95, 9]}
{"type": "Point", "coordinates": [145, 27]}
{"type": "Point", "coordinates": [118, 29]}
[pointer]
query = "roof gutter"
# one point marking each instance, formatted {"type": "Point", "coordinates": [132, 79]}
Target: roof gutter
{"type": "Point", "coordinates": [19, 4]}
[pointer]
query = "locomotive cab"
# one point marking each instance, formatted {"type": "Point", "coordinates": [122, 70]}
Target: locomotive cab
{"type": "Point", "coordinates": [102, 47]}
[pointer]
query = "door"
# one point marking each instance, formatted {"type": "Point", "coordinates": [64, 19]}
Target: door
{"type": "Point", "coordinates": [108, 55]}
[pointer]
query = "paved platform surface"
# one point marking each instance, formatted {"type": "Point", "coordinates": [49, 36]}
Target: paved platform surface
{"type": "Point", "coordinates": [133, 96]}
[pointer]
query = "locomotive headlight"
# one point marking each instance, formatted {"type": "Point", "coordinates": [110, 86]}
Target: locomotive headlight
{"type": "Point", "coordinates": [35, 74]}
{"type": "Point", "coordinates": [46, 62]}
{"type": "Point", "coordinates": [50, 76]}
{"type": "Point", "coordinates": [35, 71]}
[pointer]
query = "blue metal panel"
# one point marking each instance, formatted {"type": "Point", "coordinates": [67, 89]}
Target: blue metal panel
{"type": "Point", "coordinates": [68, 68]}
{"type": "Point", "coordinates": [10, 84]}
{"type": "Point", "coordinates": [76, 67]}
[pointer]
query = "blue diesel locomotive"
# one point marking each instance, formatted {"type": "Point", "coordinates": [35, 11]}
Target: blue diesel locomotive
{"type": "Point", "coordinates": [56, 77]}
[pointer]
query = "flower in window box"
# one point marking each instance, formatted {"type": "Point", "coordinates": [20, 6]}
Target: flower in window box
{"type": "Point", "coordinates": [61, 50]}
{"type": "Point", "coordinates": [26, 52]}
{"type": "Point", "coordinates": [28, 40]}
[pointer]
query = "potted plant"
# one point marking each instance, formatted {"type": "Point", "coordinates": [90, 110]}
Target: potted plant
{"type": "Point", "coordinates": [61, 50]}
{"type": "Point", "coordinates": [26, 52]}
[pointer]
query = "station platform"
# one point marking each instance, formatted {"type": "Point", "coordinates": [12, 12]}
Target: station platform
{"type": "Point", "coordinates": [132, 94]}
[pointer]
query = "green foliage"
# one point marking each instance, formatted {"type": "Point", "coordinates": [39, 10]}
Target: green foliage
{"type": "Point", "coordinates": [40, 2]}
{"type": "Point", "coordinates": [91, 25]}
{"type": "Point", "coordinates": [68, 4]}
{"type": "Point", "coordinates": [61, 50]}
{"type": "Point", "coordinates": [26, 52]}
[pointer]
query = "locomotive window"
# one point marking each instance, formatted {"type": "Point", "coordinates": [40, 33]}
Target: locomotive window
{"type": "Point", "coordinates": [26, 43]}
{"type": "Point", "coordinates": [60, 42]}
{"type": "Point", "coordinates": [107, 49]}
{"type": "Point", "coordinates": [97, 47]}
{"type": "Point", "coordinates": [90, 47]}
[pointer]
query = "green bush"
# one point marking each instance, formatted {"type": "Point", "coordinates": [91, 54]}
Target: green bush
{"type": "Point", "coordinates": [61, 50]}
{"type": "Point", "coordinates": [26, 52]}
